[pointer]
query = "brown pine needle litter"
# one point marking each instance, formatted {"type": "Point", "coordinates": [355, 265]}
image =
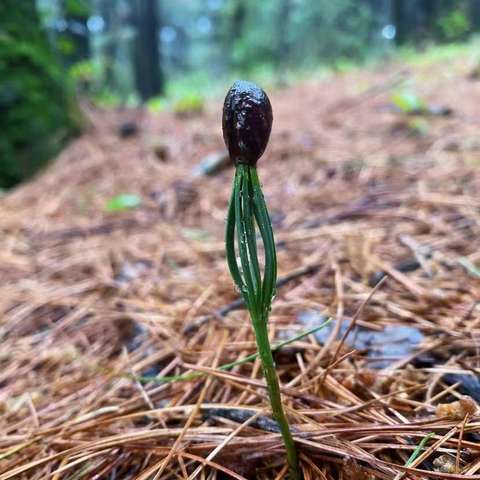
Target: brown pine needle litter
{"type": "Point", "coordinates": [125, 353]}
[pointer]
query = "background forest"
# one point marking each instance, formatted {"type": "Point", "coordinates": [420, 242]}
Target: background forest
{"type": "Point", "coordinates": [174, 52]}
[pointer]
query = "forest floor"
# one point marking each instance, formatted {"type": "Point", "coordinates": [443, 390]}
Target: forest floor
{"type": "Point", "coordinates": [103, 312]}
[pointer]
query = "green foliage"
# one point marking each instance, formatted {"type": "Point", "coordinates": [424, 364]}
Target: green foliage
{"type": "Point", "coordinates": [189, 104]}
{"type": "Point", "coordinates": [183, 102]}
{"type": "Point", "coordinates": [107, 99]}
{"type": "Point", "coordinates": [419, 448]}
{"type": "Point", "coordinates": [343, 65]}
{"type": "Point", "coordinates": [336, 29]}
{"type": "Point", "coordinates": [86, 76]}
{"type": "Point", "coordinates": [247, 35]}
{"type": "Point", "coordinates": [205, 43]}
{"type": "Point", "coordinates": [408, 102]}
{"type": "Point", "coordinates": [157, 104]}
{"type": "Point", "coordinates": [438, 53]}
{"type": "Point", "coordinates": [38, 112]}
{"type": "Point", "coordinates": [83, 71]}
{"type": "Point", "coordinates": [329, 30]}
{"type": "Point", "coordinates": [77, 8]}
{"type": "Point", "coordinates": [454, 26]}
{"type": "Point", "coordinates": [65, 46]}
{"type": "Point", "coordinates": [123, 202]}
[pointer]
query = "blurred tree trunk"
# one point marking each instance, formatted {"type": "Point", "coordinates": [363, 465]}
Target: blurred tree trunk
{"type": "Point", "coordinates": [398, 16]}
{"type": "Point", "coordinates": [38, 109]}
{"type": "Point", "coordinates": [424, 18]}
{"type": "Point", "coordinates": [430, 10]}
{"type": "Point", "coordinates": [231, 26]}
{"type": "Point", "coordinates": [107, 11]}
{"type": "Point", "coordinates": [378, 9]}
{"type": "Point", "coordinates": [380, 15]}
{"type": "Point", "coordinates": [75, 41]}
{"type": "Point", "coordinates": [406, 20]}
{"type": "Point", "coordinates": [282, 48]}
{"type": "Point", "coordinates": [238, 20]}
{"type": "Point", "coordinates": [149, 77]}
{"type": "Point", "coordinates": [475, 14]}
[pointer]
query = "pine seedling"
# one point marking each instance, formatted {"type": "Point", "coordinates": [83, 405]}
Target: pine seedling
{"type": "Point", "coordinates": [247, 123]}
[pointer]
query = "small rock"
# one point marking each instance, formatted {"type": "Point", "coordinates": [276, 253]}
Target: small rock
{"type": "Point", "coordinates": [185, 194]}
{"type": "Point", "coordinates": [469, 384]}
{"type": "Point", "coordinates": [398, 341]}
{"type": "Point", "coordinates": [128, 129]}
{"type": "Point", "coordinates": [130, 271]}
{"type": "Point", "coordinates": [440, 111]}
{"type": "Point", "coordinates": [131, 334]}
{"type": "Point", "coordinates": [175, 199]}
{"type": "Point", "coordinates": [211, 164]}
{"type": "Point", "coordinates": [444, 463]}
{"type": "Point", "coordinates": [405, 266]}
{"type": "Point", "coordinates": [161, 151]}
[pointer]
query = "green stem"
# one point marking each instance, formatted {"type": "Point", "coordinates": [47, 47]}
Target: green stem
{"type": "Point", "coordinates": [247, 205]}
{"type": "Point", "coordinates": [268, 365]}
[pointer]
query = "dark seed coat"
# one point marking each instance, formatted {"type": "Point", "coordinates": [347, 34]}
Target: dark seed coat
{"type": "Point", "coordinates": [247, 122]}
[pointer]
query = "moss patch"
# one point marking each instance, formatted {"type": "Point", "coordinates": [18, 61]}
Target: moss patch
{"type": "Point", "coordinates": [38, 112]}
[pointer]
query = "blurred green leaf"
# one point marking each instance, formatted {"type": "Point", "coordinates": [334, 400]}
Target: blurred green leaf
{"type": "Point", "coordinates": [107, 99]}
{"type": "Point", "coordinates": [39, 113]}
{"type": "Point", "coordinates": [191, 103]}
{"type": "Point", "coordinates": [66, 46]}
{"type": "Point", "coordinates": [454, 26]}
{"type": "Point", "coordinates": [122, 202]}
{"type": "Point", "coordinates": [83, 71]}
{"type": "Point", "coordinates": [77, 8]}
{"type": "Point", "coordinates": [157, 104]}
{"type": "Point", "coordinates": [408, 102]}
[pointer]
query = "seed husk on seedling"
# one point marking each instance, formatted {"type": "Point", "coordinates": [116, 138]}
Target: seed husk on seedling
{"type": "Point", "coordinates": [247, 123]}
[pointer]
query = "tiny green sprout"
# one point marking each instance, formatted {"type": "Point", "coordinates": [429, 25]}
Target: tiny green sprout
{"type": "Point", "coordinates": [122, 202]}
{"type": "Point", "coordinates": [247, 123]}
{"type": "Point", "coordinates": [188, 105]}
{"type": "Point", "coordinates": [409, 103]}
